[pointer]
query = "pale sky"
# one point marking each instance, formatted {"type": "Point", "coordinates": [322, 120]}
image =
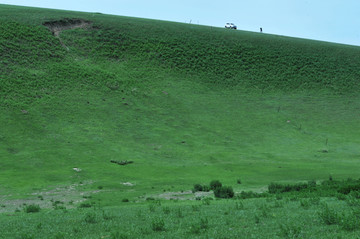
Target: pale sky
{"type": "Point", "coordinates": [326, 20]}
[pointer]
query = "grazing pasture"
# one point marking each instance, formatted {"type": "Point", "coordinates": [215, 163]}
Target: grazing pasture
{"type": "Point", "coordinates": [108, 122]}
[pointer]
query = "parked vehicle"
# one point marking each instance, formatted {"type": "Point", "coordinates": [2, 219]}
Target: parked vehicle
{"type": "Point", "coordinates": [230, 26]}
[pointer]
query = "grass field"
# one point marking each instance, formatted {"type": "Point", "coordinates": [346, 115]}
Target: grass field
{"type": "Point", "coordinates": [302, 214]}
{"type": "Point", "coordinates": [258, 218]}
{"type": "Point", "coordinates": [186, 104]}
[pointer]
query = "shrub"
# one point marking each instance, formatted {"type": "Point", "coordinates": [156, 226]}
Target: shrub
{"type": "Point", "coordinates": [305, 203]}
{"type": "Point", "coordinates": [206, 201]}
{"type": "Point", "coordinates": [264, 210]}
{"type": "Point", "coordinates": [195, 229]}
{"type": "Point", "coordinates": [294, 198]}
{"type": "Point", "coordinates": [57, 203]}
{"type": "Point", "coordinates": [125, 200]}
{"type": "Point", "coordinates": [118, 235]}
{"type": "Point", "coordinates": [26, 236]}
{"type": "Point", "coordinates": [328, 216]}
{"type": "Point", "coordinates": [312, 183]}
{"type": "Point", "coordinates": [107, 216]}
{"type": "Point", "coordinates": [224, 192]}
{"type": "Point", "coordinates": [275, 188]}
{"type": "Point", "coordinates": [90, 218]}
{"type": "Point", "coordinates": [158, 224]}
{"type": "Point", "coordinates": [195, 208]}
{"type": "Point", "coordinates": [85, 205]}
{"type": "Point", "coordinates": [39, 226]}
{"type": "Point", "coordinates": [290, 231]}
{"type": "Point", "coordinates": [152, 208]}
{"type": "Point", "coordinates": [200, 188]}
{"type": "Point", "coordinates": [239, 206]}
{"type": "Point", "coordinates": [60, 208]}
{"type": "Point", "coordinates": [215, 184]}
{"type": "Point", "coordinates": [204, 223]}
{"type": "Point", "coordinates": [315, 200]}
{"type": "Point", "coordinates": [166, 210]}
{"type": "Point", "coordinates": [197, 188]}
{"type": "Point", "coordinates": [349, 222]}
{"type": "Point", "coordinates": [257, 219]}
{"type": "Point", "coordinates": [340, 196]}
{"type": "Point", "coordinates": [179, 213]}
{"type": "Point", "coordinates": [206, 188]}
{"type": "Point", "coordinates": [249, 194]}
{"type": "Point", "coordinates": [352, 201]}
{"type": "Point", "coordinates": [349, 188]}
{"type": "Point", "coordinates": [198, 227]}
{"type": "Point", "coordinates": [355, 194]}
{"type": "Point", "coordinates": [32, 208]}
{"type": "Point", "coordinates": [278, 204]}
{"type": "Point", "coordinates": [356, 212]}
{"type": "Point", "coordinates": [59, 235]}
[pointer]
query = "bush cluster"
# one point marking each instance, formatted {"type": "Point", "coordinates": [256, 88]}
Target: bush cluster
{"type": "Point", "coordinates": [328, 188]}
{"type": "Point", "coordinates": [275, 188]}
{"type": "Point", "coordinates": [32, 208]}
{"type": "Point", "coordinates": [250, 194]}
{"type": "Point", "coordinates": [215, 184]}
{"type": "Point", "coordinates": [200, 188]}
{"type": "Point", "coordinates": [346, 189]}
{"type": "Point", "coordinates": [220, 191]}
{"type": "Point", "coordinates": [224, 192]}
{"type": "Point", "coordinates": [347, 221]}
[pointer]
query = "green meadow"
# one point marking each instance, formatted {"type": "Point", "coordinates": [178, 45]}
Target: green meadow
{"type": "Point", "coordinates": [108, 122]}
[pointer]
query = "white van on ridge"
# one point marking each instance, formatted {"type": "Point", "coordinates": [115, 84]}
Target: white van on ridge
{"type": "Point", "coordinates": [230, 26]}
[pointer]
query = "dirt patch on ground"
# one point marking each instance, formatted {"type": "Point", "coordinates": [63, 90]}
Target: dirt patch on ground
{"type": "Point", "coordinates": [68, 196]}
{"type": "Point", "coordinates": [56, 27]}
{"type": "Point", "coordinates": [184, 195]}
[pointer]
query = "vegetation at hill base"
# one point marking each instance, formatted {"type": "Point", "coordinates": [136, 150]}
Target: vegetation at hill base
{"type": "Point", "coordinates": [113, 127]}
{"type": "Point", "coordinates": [307, 211]}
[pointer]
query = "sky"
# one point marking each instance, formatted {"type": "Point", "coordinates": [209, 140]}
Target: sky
{"type": "Point", "coordinates": [326, 20]}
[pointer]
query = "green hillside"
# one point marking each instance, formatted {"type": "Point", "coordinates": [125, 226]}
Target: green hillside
{"type": "Point", "coordinates": [108, 124]}
{"type": "Point", "coordinates": [186, 103]}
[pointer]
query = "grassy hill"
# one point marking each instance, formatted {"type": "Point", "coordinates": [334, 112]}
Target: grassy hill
{"type": "Point", "coordinates": [186, 103]}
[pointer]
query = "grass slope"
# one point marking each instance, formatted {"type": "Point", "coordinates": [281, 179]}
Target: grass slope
{"type": "Point", "coordinates": [186, 103]}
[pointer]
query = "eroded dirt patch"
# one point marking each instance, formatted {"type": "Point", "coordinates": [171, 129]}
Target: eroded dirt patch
{"type": "Point", "coordinates": [68, 196]}
{"type": "Point", "coordinates": [184, 195]}
{"type": "Point", "coordinates": [56, 27]}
